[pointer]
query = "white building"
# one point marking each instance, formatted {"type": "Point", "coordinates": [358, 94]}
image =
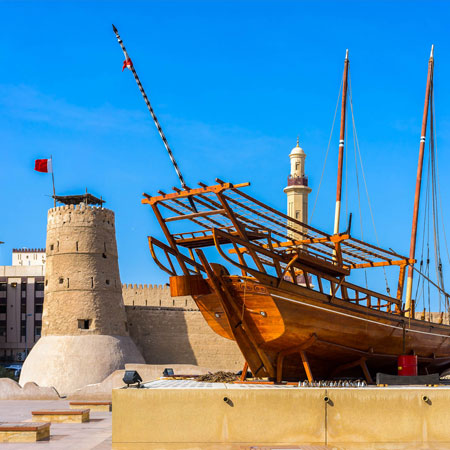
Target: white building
{"type": "Point", "coordinates": [21, 303]}
{"type": "Point", "coordinates": [297, 190]}
{"type": "Point", "coordinates": [28, 257]}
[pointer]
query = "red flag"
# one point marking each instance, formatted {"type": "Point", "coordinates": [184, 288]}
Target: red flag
{"type": "Point", "coordinates": [127, 64]}
{"type": "Point", "coordinates": [43, 165]}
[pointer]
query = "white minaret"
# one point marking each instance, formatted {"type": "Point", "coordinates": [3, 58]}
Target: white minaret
{"type": "Point", "coordinates": [297, 190]}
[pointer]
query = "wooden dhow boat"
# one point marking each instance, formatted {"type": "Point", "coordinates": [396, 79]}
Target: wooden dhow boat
{"type": "Point", "coordinates": [291, 309]}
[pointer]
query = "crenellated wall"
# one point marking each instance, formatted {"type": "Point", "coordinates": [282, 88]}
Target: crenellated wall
{"type": "Point", "coordinates": [154, 295]}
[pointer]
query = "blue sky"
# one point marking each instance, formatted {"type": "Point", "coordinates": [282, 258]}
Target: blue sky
{"type": "Point", "coordinates": [233, 84]}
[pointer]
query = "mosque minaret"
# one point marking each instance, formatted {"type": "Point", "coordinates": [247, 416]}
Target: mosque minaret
{"type": "Point", "coordinates": [297, 190]}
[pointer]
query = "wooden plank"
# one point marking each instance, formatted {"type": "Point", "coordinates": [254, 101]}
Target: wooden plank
{"type": "Point", "coordinates": [191, 192]}
{"type": "Point", "coordinates": [195, 215]}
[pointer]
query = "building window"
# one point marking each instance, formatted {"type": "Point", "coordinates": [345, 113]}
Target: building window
{"type": "Point", "coordinates": [39, 286]}
{"type": "Point", "coordinates": [2, 327]}
{"type": "Point", "coordinates": [23, 305]}
{"type": "Point", "coordinates": [2, 287]}
{"type": "Point", "coordinates": [107, 282]}
{"type": "Point", "coordinates": [38, 305]}
{"type": "Point", "coordinates": [23, 328]}
{"type": "Point", "coordinates": [297, 214]}
{"type": "Point", "coordinates": [83, 324]}
{"type": "Point", "coordinates": [37, 328]}
{"type": "Point", "coordinates": [3, 305]}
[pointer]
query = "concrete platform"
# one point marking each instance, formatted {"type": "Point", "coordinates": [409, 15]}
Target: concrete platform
{"type": "Point", "coordinates": [193, 415]}
{"type": "Point", "coordinates": [23, 432]}
{"type": "Point", "coordinates": [92, 405]}
{"type": "Point", "coordinates": [93, 435]}
{"type": "Point", "coordinates": [61, 415]}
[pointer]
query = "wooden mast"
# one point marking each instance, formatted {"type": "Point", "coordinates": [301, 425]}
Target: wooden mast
{"type": "Point", "coordinates": [412, 251]}
{"type": "Point", "coordinates": [341, 147]}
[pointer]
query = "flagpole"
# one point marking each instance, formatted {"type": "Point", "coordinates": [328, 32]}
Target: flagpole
{"type": "Point", "coordinates": [129, 64]}
{"type": "Point", "coordinates": [53, 182]}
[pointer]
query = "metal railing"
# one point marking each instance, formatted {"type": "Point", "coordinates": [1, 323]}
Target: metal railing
{"type": "Point", "coordinates": [297, 181]}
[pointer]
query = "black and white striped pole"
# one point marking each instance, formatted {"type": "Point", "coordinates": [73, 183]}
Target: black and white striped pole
{"type": "Point", "coordinates": [128, 64]}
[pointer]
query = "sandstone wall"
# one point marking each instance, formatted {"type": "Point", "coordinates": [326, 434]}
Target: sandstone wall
{"type": "Point", "coordinates": [172, 330]}
{"type": "Point", "coordinates": [154, 295]}
{"type": "Point", "coordinates": [175, 335]}
{"type": "Point", "coordinates": [82, 274]}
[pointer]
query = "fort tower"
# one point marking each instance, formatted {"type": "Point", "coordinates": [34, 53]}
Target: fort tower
{"type": "Point", "coordinates": [84, 326]}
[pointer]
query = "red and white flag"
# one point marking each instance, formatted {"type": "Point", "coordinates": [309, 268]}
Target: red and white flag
{"type": "Point", "coordinates": [127, 63]}
{"type": "Point", "coordinates": [43, 165]}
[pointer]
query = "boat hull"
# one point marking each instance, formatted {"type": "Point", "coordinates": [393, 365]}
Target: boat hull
{"type": "Point", "coordinates": [337, 338]}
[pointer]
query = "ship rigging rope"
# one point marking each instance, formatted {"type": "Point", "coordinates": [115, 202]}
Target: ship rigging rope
{"type": "Point", "coordinates": [432, 211]}
{"type": "Point", "coordinates": [328, 149]}
{"type": "Point", "coordinates": [357, 148]}
{"type": "Point", "coordinates": [446, 294]}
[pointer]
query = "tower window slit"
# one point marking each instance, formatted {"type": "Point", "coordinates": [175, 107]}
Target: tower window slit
{"type": "Point", "coordinates": [84, 324]}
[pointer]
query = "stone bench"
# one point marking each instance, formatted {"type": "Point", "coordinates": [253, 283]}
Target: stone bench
{"type": "Point", "coordinates": [92, 405]}
{"type": "Point", "coordinates": [23, 431]}
{"type": "Point", "coordinates": [61, 415]}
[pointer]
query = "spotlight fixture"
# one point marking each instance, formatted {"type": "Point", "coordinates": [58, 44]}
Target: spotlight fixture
{"type": "Point", "coordinates": [168, 372]}
{"type": "Point", "coordinates": [132, 377]}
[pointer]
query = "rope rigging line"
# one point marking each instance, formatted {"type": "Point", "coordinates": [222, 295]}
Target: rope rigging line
{"type": "Point", "coordinates": [328, 149]}
{"type": "Point", "coordinates": [364, 177]}
{"type": "Point", "coordinates": [420, 293]}
{"type": "Point", "coordinates": [359, 198]}
{"type": "Point", "coordinates": [447, 303]}
{"type": "Point", "coordinates": [433, 214]}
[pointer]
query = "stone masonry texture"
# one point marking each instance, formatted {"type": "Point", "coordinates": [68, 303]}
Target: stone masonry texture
{"type": "Point", "coordinates": [83, 281]}
{"type": "Point", "coordinates": [173, 330]}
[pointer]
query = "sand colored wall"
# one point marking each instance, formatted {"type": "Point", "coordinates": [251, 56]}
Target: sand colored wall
{"type": "Point", "coordinates": [82, 273]}
{"type": "Point", "coordinates": [352, 418]}
{"type": "Point", "coordinates": [172, 330]}
{"type": "Point", "coordinates": [154, 295]}
{"type": "Point", "coordinates": [171, 335]}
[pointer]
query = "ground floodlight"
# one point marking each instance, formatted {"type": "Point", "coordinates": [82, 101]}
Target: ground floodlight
{"type": "Point", "coordinates": [168, 372]}
{"type": "Point", "coordinates": [132, 377]}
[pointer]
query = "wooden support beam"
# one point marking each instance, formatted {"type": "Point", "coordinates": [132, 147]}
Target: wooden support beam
{"type": "Point", "coordinates": [366, 372]}
{"type": "Point", "coordinates": [258, 360]}
{"type": "Point", "coordinates": [400, 262]}
{"type": "Point", "coordinates": [244, 372]}
{"type": "Point", "coordinates": [298, 348]}
{"type": "Point", "coordinates": [306, 366]}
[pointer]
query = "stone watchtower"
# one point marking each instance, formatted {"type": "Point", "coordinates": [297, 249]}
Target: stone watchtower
{"type": "Point", "coordinates": [84, 325]}
{"type": "Point", "coordinates": [297, 189]}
